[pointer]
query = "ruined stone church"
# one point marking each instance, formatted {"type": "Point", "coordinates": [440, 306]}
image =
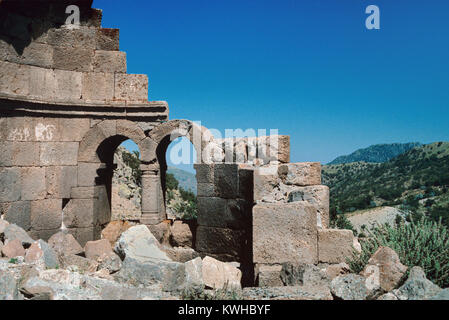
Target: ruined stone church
{"type": "Point", "coordinates": [67, 103]}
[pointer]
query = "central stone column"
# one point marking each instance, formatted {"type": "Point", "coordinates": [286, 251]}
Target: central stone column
{"type": "Point", "coordinates": [151, 197]}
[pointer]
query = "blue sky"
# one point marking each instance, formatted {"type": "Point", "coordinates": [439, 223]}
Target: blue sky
{"type": "Point", "coordinates": [308, 68]}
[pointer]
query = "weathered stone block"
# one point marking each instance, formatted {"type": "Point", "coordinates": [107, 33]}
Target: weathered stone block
{"type": "Point", "coordinates": [10, 184]}
{"type": "Point", "coordinates": [285, 233]}
{"type": "Point", "coordinates": [59, 153]}
{"type": "Point", "coordinates": [60, 180]}
{"type": "Point", "coordinates": [130, 130]}
{"type": "Point", "coordinates": [108, 39]}
{"type": "Point", "coordinates": [33, 183]}
{"type": "Point", "coordinates": [131, 87]}
{"type": "Point", "coordinates": [87, 173]}
{"type": "Point", "coordinates": [223, 213]}
{"type": "Point", "coordinates": [264, 184]}
{"type": "Point", "coordinates": [19, 213]}
{"type": "Point", "coordinates": [14, 79]}
{"type": "Point", "coordinates": [66, 38]}
{"type": "Point", "coordinates": [19, 154]}
{"type": "Point", "coordinates": [246, 184]}
{"type": "Point", "coordinates": [73, 59]}
{"type": "Point", "coordinates": [79, 213]}
{"type": "Point", "coordinates": [109, 61]}
{"type": "Point", "coordinates": [220, 241]}
{"type": "Point", "coordinates": [98, 86]}
{"type": "Point", "coordinates": [46, 214]}
{"type": "Point", "coordinates": [47, 129]}
{"type": "Point", "coordinates": [269, 275]}
{"type": "Point", "coordinates": [82, 235]}
{"type": "Point", "coordinates": [84, 192]}
{"type": "Point", "coordinates": [206, 190]}
{"type": "Point", "coordinates": [19, 128]}
{"type": "Point", "coordinates": [35, 54]}
{"type": "Point", "coordinates": [335, 245]}
{"type": "Point", "coordinates": [301, 174]}
{"type": "Point", "coordinates": [226, 180]}
{"type": "Point", "coordinates": [204, 173]}
{"type": "Point", "coordinates": [318, 196]}
{"type": "Point", "coordinates": [73, 129]}
{"type": "Point", "coordinates": [68, 86]}
{"type": "Point", "coordinates": [43, 234]}
{"type": "Point", "coordinates": [42, 83]}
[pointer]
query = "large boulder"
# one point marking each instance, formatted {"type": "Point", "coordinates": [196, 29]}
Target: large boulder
{"type": "Point", "coordinates": [8, 287]}
{"type": "Point", "coordinates": [113, 231]}
{"type": "Point", "coordinates": [41, 251]}
{"type": "Point", "coordinates": [94, 249]}
{"type": "Point", "coordinates": [110, 262]}
{"type": "Point", "coordinates": [269, 275]}
{"type": "Point", "coordinates": [219, 275]}
{"type": "Point", "coordinates": [13, 232]}
{"type": "Point", "coordinates": [349, 287]}
{"type": "Point", "coordinates": [64, 243]}
{"type": "Point", "coordinates": [335, 270]}
{"type": "Point", "coordinates": [138, 243]}
{"type": "Point", "coordinates": [181, 235]}
{"type": "Point", "coordinates": [78, 263]}
{"type": "Point", "coordinates": [194, 272]}
{"type": "Point", "coordinates": [13, 249]}
{"type": "Point", "coordinates": [443, 295]}
{"type": "Point", "coordinates": [417, 287]}
{"type": "Point", "coordinates": [385, 269]}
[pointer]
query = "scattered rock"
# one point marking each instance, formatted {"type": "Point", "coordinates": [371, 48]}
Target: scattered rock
{"type": "Point", "coordinates": [194, 272]}
{"type": "Point", "coordinates": [335, 270]}
{"type": "Point", "coordinates": [64, 243]}
{"type": "Point", "coordinates": [81, 264]}
{"type": "Point", "coordinates": [181, 235]}
{"type": "Point", "coordinates": [388, 296]}
{"type": "Point", "coordinates": [287, 293]}
{"type": "Point", "coordinates": [13, 232]}
{"type": "Point", "coordinates": [384, 269]}
{"type": "Point", "coordinates": [139, 244]}
{"type": "Point", "coordinates": [3, 225]}
{"type": "Point", "coordinates": [219, 275]}
{"type": "Point", "coordinates": [13, 249]}
{"type": "Point", "coordinates": [38, 292]}
{"type": "Point", "coordinates": [349, 287]}
{"type": "Point", "coordinates": [417, 287]}
{"type": "Point", "coordinates": [161, 232]}
{"type": "Point", "coordinates": [8, 286]}
{"type": "Point", "coordinates": [113, 231]}
{"type": "Point", "coordinates": [41, 251]}
{"type": "Point", "coordinates": [181, 254]}
{"type": "Point", "coordinates": [94, 249]}
{"type": "Point", "coordinates": [110, 262]}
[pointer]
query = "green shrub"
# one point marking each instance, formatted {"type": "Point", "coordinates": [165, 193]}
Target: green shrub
{"type": "Point", "coordinates": [341, 222]}
{"type": "Point", "coordinates": [133, 161]}
{"type": "Point", "coordinates": [423, 243]}
{"type": "Point", "coordinates": [171, 181]}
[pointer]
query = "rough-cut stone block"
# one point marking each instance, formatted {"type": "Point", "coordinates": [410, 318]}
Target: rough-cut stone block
{"type": "Point", "coordinates": [300, 174]}
{"type": "Point", "coordinates": [246, 184]}
{"type": "Point", "coordinates": [114, 229]}
{"type": "Point", "coordinates": [42, 83]}
{"type": "Point", "coordinates": [43, 234]}
{"type": "Point", "coordinates": [335, 245]}
{"type": "Point", "coordinates": [108, 39]}
{"type": "Point", "coordinates": [206, 190]}
{"type": "Point", "coordinates": [73, 59]}
{"type": "Point", "coordinates": [98, 86]}
{"type": "Point", "coordinates": [131, 87]}
{"type": "Point", "coordinates": [46, 214]}
{"type": "Point", "coordinates": [264, 184]}
{"type": "Point", "coordinates": [79, 213]}
{"type": "Point", "coordinates": [60, 180]}
{"type": "Point", "coordinates": [181, 235]}
{"type": "Point", "coordinates": [269, 275]}
{"type": "Point", "coordinates": [87, 173]}
{"type": "Point", "coordinates": [73, 129]}
{"type": "Point", "coordinates": [59, 153]}
{"type": "Point", "coordinates": [283, 149]}
{"type": "Point", "coordinates": [226, 180]}
{"type": "Point", "coordinates": [18, 213]}
{"type": "Point", "coordinates": [22, 154]}
{"type": "Point", "coordinates": [130, 130]}
{"type": "Point", "coordinates": [212, 240]}
{"type": "Point", "coordinates": [82, 235]}
{"type": "Point", "coordinates": [68, 86]}
{"type": "Point", "coordinates": [223, 213]}
{"type": "Point", "coordinates": [285, 233]}
{"type": "Point", "coordinates": [318, 196]}
{"type": "Point", "coordinates": [219, 275]}
{"type": "Point", "coordinates": [95, 249]}
{"type": "Point", "coordinates": [35, 54]}
{"type": "Point", "coordinates": [13, 249]}
{"type": "Point", "coordinates": [14, 79]}
{"type": "Point", "coordinates": [109, 61]}
{"type": "Point", "coordinates": [64, 243]}
{"type": "Point", "coordinates": [204, 173]}
{"type": "Point", "coordinates": [19, 128]}
{"type": "Point", "coordinates": [47, 129]}
{"type": "Point", "coordinates": [10, 184]}
{"type": "Point", "coordinates": [66, 38]}
{"type": "Point", "coordinates": [33, 183]}
{"type": "Point", "coordinates": [84, 192]}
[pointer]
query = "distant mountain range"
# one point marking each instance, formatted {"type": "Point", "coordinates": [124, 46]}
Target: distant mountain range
{"type": "Point", "coordinates": [416, 180]}
{"type": "Point", "coordinates": [187, 180]}
{"type": "Point", "coordinates": [377, 153]}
